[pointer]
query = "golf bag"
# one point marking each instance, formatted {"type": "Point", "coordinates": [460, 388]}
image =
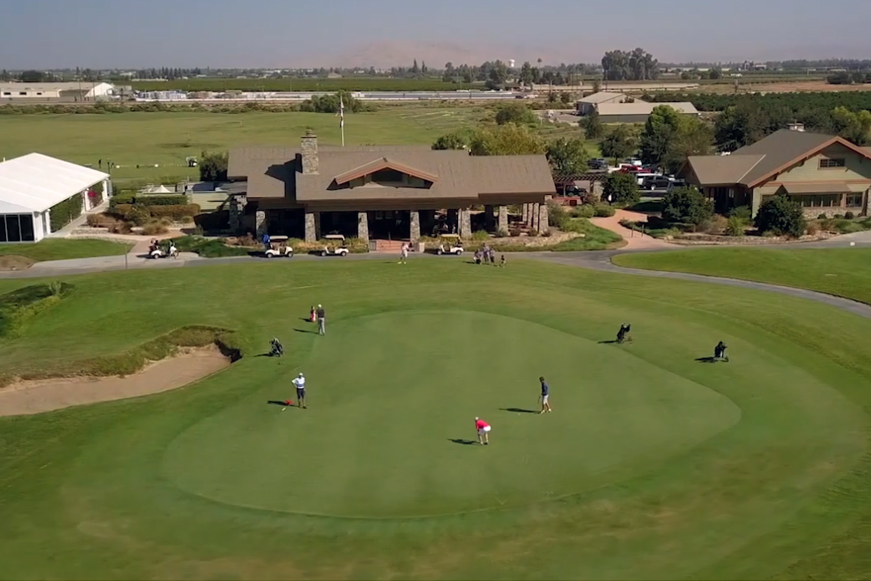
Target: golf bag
{"type": "Point", "coordinates": [277, 350]}
{"type": "Point", "coordinates": [623, 334]}
{"type": "Point", "coordinates": [720, 352]}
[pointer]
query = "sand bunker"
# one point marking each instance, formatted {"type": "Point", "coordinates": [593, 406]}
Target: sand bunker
{"type": "Point", "coordinates": [35, 397]}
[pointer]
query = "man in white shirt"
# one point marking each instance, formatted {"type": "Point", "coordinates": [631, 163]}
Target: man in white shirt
{"type": "Point", "coordinates": [299, 382]}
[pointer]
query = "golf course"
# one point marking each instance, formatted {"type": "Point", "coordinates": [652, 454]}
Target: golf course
{"type": "Point", "coordinates": [655, 463]}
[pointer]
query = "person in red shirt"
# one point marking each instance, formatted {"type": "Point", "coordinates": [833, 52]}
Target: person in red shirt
{"type": "Point", "coordinates": [483, 429]}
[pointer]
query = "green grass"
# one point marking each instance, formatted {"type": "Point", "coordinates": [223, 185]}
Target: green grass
{"type": "Point", "coordinates": [63, 249]}
{"type": "Point", "coordinates": [652, 465]}
{"type": "Point", "coordinates": [842, 272]}
{"type": "Point", "coordinates": [166, 139]}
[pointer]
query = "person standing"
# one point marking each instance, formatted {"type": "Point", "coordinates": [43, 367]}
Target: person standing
{"type": "Point", "coordinates": [299, 383]}
{"type": "Point", "coordinates": [322, 320]}
{"type": "Point", "coordinates": [403, 254]}
{"type": "Point", "coordinates": [545, 393]}
{"type": "Point", "coordinates": [483, 429]}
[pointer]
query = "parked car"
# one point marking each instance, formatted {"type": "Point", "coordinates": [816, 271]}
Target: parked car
{"type": "Point", "coordinates": [656, 183]}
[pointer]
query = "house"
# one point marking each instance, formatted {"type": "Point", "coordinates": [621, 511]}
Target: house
{"type": "Point", "coordinates": [588, 104]}
{"type": "Point", "coordinates": [826, 174]}
{"type": "Point", "coordinates": [385, 192]}
{"type": "Point", "coordinates": [637, 111]}
{"type": "Point", "coordinates": [40, 195]}
{"type": "Point", "coordinates": [18, 92]}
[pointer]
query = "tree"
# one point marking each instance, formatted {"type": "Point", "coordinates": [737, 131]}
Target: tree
{"type": "Point", "coordinates": [660, 128]}
{"type": "Point", "coordinates": [499, 73]}
{"type": "Point", "coordinates": [330, 103]}
{"type": "Point", "coordinates": [780, 216]}
{"type": "Point", "coordinates": [510, 139]}
{"type": "Point", "coordinates": [622, 188]}
{"type": "Point", "coordinates": [619, 143]}
{"type": "Point", "coordinates": [852, 126]}
{"type": "Point", "coordinates": [453, 140]}
{"type": "Point", "coordinates": [567, 156]}
{"type": "Point", "coordinates": [450, 74]}
{"type": "Point", "coordinates": [597, 85]}
{"type": "Point", "coordinates": [565, 97]}
{"type": "Point", "coordinates": [592, 126]}
{"type": "Point", "coordinates": [741, 125]}
{"type": "Point", "coordinates": [32, 77]}
{"type": "Point", "coordinates": [514, 112]}
{"type": "Point", "coordinates": [715, 74]}
{"type": "Point", "coordinates": [693, 137]}
{"type": "Point", "coordinates": [687, 206]}
{"type": "Point", "coordinates": [670, 137]}
{"type": "Point", "coordinates": [213, 166]}
{"type": "Point", "coordinates": [526, 77]}
{"type": "Point", "coordinates": [638, 65]}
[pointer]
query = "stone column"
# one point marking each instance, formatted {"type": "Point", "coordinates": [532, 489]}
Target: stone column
{"type": "Point", "coordinates": [363, 226]}
{"type": "Point", "coordinates": [415, 225]}
{"type": "Point", "coordinates": [261, 225]}
{"type": "Point", "coordinates": [106, 187]}
{"type": "Point", "coordinates": [235, 222]}
{"type": "Point", "coordinates": [502, 225]}
{"type": "Point", "coordinates": [533, 217]}
{"type": "Point", "coordinates": [525, 214]}
{"type": "Point", "coordinates": [543, 219]}
{"type": "Point", "coordinates": [465, 223]}
{"type": "Point", "coordinates": [312, 229]}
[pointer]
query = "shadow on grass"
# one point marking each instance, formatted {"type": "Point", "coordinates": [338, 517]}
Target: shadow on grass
{"type": "Point", "coordinates": [517, 411]}
{"type": "Point", "coordinates": [462, 441]}
{"type": "Point", "coordinates": [609, 342]}
{"type": "Point", "coordinates": [281, 403]}
{"type": "Point", "coordinates": [711, 360]}
{"type": "Point", "coordinates": [306, 331]}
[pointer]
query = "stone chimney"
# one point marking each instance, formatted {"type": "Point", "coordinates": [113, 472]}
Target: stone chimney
{"type": "Point", "coordinates": [309, 153]}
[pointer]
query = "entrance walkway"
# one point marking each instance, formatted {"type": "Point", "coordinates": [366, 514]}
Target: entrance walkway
{"type": "Point", "coordinates": [634, 240]}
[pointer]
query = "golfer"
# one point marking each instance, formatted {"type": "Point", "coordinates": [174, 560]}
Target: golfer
{"type": "Point", "coordinates": [545, 392]}
{"type": "Point", "coordinates": [483, 429]}
{"type": "Point", "coordinates": [403, 255]}
{"type": "Point", "coordinates": [322, 323]}
{"type": "Point", "coordinates": [299, 382]}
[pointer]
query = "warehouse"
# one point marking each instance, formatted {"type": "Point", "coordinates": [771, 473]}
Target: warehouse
{"type": "Point", "coordinates": [40, 195]}
{"type": "Point", "coordinates": [638, 111]}
{"type": "Point", "coordinates": [23, 93]}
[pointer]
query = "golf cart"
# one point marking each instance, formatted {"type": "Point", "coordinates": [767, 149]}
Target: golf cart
{"type": "Point", "coordinates": [450, 244]}
{"type": "Point", "coordinates": [335, 246]}
{"type": "Point", "coordinates": [278, 247]}
{"type": "Point", "coordinates": [158, 251]}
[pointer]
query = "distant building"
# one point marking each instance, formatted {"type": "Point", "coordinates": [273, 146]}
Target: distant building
{"type": "Point", "coordinates": [55, 92]}
{"type": "Point", "coordinates": [637, 111]}
{"type": "Point", "coordinates": [588, 104]}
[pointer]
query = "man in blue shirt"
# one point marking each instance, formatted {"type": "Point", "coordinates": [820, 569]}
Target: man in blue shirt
{"type": "Point", "coordinates": [545, 392]}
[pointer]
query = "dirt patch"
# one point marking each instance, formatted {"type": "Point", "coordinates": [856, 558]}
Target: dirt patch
{"type": "Point", "coordinates": [12, 262]}
{"type": "Point", "coordinates": [633, 240]}
{"type": "Point", "coordinates": [39, 396]}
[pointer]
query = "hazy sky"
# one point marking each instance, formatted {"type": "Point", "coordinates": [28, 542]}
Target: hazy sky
{"type": "Point", "coordinates": [298, 33]}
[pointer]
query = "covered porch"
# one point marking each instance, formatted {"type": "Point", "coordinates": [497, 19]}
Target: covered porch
{"type": "Point", "coordinates": [828, 198]}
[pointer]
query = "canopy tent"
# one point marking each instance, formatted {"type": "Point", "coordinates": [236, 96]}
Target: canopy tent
{"type": "Point", "coordinates": [37, 182]}
{"type": "Point", "coordinates": [161, 189]}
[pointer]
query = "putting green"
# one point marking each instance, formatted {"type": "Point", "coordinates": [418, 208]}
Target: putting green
{"type": "Point", "coordinates": [389, 435]}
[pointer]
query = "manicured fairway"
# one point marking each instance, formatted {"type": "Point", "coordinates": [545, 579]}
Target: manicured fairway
{"type": "Point", "coordinates": [844, 272]}
{"type": "Point", "coordinates": [63, 249]}
{"type": "Point", "coordinates": [652, 465]}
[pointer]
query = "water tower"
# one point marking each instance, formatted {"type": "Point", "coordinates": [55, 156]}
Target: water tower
{"type": "Point", "coordinates": [510, 63]}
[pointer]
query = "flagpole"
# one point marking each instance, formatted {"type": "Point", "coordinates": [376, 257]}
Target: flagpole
{"type": "Point", "coordinates": [342, 118]}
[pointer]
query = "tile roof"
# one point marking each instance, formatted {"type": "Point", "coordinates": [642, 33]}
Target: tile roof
{"type": "Point", "coordinates": [272, 173]}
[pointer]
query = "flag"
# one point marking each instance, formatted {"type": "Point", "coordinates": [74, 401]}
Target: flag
{"type": "Point", "coordinates": [341, 113]}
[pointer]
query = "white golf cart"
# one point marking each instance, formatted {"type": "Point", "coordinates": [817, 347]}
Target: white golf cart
{"type": "Point", "coordinates": [278, 248]}
{"type": "Point", "coordinates": [335, 246]}
{"type": "Point", "coordinates": [158, 251]}
{"type": "Point", "coordinates": [450, 244]}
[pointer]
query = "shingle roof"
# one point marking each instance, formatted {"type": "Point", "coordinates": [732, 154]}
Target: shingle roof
{"type": "Point", "coordinates": [722, 169]}
{"type": "Point", "coordinates": [37, 182]}
{"type": "Point", "coordinates": [778, 149]}
{"type": "Point", "coordinates": [272, 173]}
{"type": "Point", "coordinates": [642, 108]}
{"type": "Point", "coordinates": [820, 188]}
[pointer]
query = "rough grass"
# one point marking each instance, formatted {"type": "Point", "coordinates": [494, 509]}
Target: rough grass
{"type": "Point", "coordinates": [842, 272]}
{"type": "Point", "coordinates": [18, 306]}
{"type": "Point", "coordinates": [64, 249]}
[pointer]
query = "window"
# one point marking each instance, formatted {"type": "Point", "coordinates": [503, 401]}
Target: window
{"type": "Point", "coordinates": [830, 163]}
{"type": "Point", "coordinates": [16, 228]}
{"type": "Point", "coordinates": [855, 200]}
{"type": "Point", "coordinates": [7, 94]}
{"type": "Point", "coordinates": [389, 176]}
{"type": "Point", "coordinates": [818, 200]}
{"type": "Point", "coordinates": [23, 93]}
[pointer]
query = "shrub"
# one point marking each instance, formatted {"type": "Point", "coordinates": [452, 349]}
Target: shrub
{"type": "Point", "coordinates": [208, 247]}
{"type": "Point", "coordinates": [477, 235]}
{"type": "Point", "coordinates": [743, 213]}
{"type": "Point", "coordinates": [687, 205]}
{"type": "Point", "coordinates": [812, 228]}
{"type": "Point", "coordinates": [839, 216]}
{"type": "Point", "coordinates": [95, 220]}
{"type": "Point", "coordinates": [734, 226]}
{"type": "Point", "coordinates": [780, 216]}
{"type": "Point", "coordinates": [65, 212]}
{"type": "Point", "coordinates": [502, 234]}
{"type": "Point", "coordinates": [604, 211]}
{"type": "Point", "coordinates": [155, 227]}
{"type": "Point", "coordinates": [556, 215]}
{"type": "Point", "coordinates": [122, 198]}
{"type": "Point", "coordinates": [136, 215]}
{"type": "Point", "coordinates": [174, 212]}
{"type": "Point", "coordinates": [585, 211]}
{"type": "Point", "coordinates": [822, 217]}
{"type": "Point", "coordinates": [849, 215]}
{"type": "Point", "coordinates": [715, 225]}
{"type": "Point", "coordinates": [164, 200]}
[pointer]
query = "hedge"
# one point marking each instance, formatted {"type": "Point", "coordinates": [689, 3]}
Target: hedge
{"type": "Point", "coordinates": [124, 198]}
{"type": "Point", "coordinates": [175, 212]}
{"type": "Point", "coordinates": [65, 212]}
{"type": "Point", "coordinates": [173, 200]}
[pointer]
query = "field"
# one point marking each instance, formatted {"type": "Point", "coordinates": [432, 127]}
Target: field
{"type": "Point", "coordinates": [166, 139]}
{"type": "Point", "coordinates": [303, 85]}
{"type": "Point", "coordinates": [653, 464]}
{"type": "Point", "coordinates": [836, 271]}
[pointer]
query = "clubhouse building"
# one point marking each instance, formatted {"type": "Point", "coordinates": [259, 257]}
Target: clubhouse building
{"type": "Point", "coordinates": [383, 192]}
{"type": "Point", "coordinates": [826, 174]}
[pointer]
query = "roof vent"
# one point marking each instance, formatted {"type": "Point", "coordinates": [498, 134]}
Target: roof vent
{"type": "Point", "coordinates": [796, 127]}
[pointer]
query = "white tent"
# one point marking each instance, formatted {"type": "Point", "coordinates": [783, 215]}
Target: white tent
{"type": "Point", "coordinates": [31, 185]}
{"type": "Point", "coordinates": [161, 189]}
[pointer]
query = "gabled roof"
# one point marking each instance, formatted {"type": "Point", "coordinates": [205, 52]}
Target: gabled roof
{"type": "Point", "coordinates": [37, 182]}
{"type": "Point", "coordinates": [600, 97]}
{"type": "Point", "coordinates": [722, 169]}
{"type": "Point", "coordinates": [818, 188]}
{"type": "Point", "coordinates": [753, 164]}
{"type": "Point", "coordinates": [379, 165]}
{"type": "Point", "coordinates": [642, 108]}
